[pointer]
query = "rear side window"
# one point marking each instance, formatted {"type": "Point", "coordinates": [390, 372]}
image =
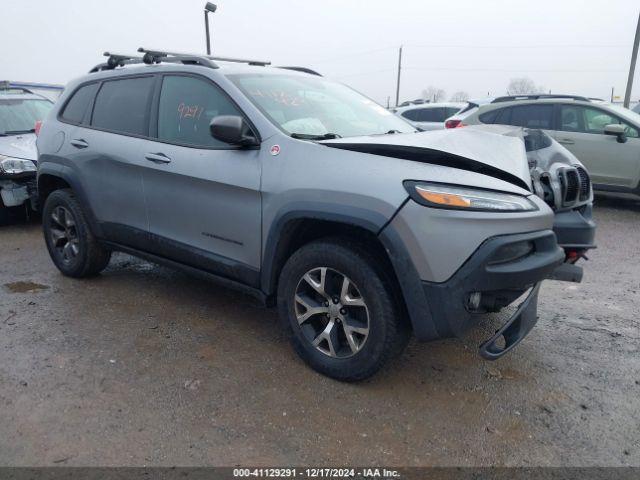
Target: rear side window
{"type": "Point", "coordinates": [490, 117]}
{"type": "Point", "coordinates": [78, 105]}
{"type": "Point", "coordinates": [450, 111]}
{"type": "Point", "coordinates": [187, 106]}
{"type": "Point", "coordinates": [532, 116]}
{"type": "Point", "coordinates": [411, 115]}
{"type": "Point", "coordinates": [435, 114]}
{"type": "Point", "coordinates": [123, 106]}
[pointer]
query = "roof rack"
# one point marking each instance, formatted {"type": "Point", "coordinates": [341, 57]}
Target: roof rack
{"type": "Point", "coordinates": [6, 85]}
{"type": "Point", "coordinates": [160, 56]}
{"type": "Point", "coordinates": [511, 98]}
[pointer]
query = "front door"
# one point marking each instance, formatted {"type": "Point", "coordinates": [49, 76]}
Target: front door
{"type": "Point", "coordinates": [581, 131]}
{"type": "Point", "coordinates": [203, 196]}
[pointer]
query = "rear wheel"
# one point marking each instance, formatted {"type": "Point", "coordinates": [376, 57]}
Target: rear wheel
{"type": "Point", "coordinates": [339, 311]}
{"type": "Point", "coordinates": [72, 246]}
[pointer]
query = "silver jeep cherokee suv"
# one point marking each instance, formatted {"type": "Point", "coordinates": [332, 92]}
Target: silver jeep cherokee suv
{"type": "Point", "coordinates": [301, 191]}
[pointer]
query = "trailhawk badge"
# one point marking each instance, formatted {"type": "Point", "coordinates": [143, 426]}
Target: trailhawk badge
{"type": "Point", "coordinates": [275, 150]}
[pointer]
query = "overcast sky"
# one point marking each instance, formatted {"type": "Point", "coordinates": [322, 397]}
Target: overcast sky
{"type": "Point", "coordinates": [568, 46]}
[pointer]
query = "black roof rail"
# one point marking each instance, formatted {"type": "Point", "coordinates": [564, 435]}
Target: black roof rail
{"type": "Point", "coordinates": [210, 58]}
{"type": "Point", "coordinates": [150, 57]}
{"type": "Point", "coordinates": [6, 85]}
{"type": "Point", "coordinates": [511, 98]}
{"type": "Point", "coordinates": [303, 70]}
{"type": "Point", "coordinates": [160, 56]}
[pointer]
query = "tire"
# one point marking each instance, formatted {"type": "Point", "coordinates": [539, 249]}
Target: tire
{"type": "Point", "coordinates": [72, 246]}
{"type": "Point", "coordinates": [311, 288]}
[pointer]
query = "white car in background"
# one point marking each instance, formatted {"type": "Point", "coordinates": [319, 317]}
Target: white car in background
{"type": "Point", "coordinates": [429, 116]}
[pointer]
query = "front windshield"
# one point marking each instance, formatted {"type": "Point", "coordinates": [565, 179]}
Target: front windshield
{"type": "Point", "coordinates": [312, 107]}
{"type": "Point", "coordinates": [626, 113]}
{"type": "Point", "coordinates": [19, 115]}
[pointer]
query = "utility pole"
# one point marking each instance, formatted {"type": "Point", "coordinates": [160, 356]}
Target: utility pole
{"type": "Point", "coordinates": [632, 68]}
{"type": "Point", "coordinates": [399, 70]}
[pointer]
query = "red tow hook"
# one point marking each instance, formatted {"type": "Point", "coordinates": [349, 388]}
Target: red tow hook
{"type": "Point", "coordinates": [572, 256]}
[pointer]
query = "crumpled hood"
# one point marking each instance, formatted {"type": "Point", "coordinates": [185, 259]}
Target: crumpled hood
{"type": "Point", "coordinates": [488, 153]}
{"type": "Point", "coordinates": [19, 146]}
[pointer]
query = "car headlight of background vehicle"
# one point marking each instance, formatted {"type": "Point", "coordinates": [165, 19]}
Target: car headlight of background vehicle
{"type": "Point", "coordinates": [455, 197]}
{"type": "Point", "coordinates": [12, 166]}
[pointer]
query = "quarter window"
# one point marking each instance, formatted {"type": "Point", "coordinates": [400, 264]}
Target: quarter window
{"type": "Point", "coordinates": [78, 105]}
{"type": "Point", "coordinates": [532, 116]}
{"type": "Point", "coordinates": [187, 106]}
{"type": "Point", "coordinates": [123, 105]}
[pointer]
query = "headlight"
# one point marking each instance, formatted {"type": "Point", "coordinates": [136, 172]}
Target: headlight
{"type": "Point", "coordinates": [464, 198]}
{"type": "Point", "coordinates": [12, 166]}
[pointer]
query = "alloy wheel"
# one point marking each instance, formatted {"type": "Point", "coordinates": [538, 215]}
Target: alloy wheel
{"type": "Point", "coordinates": [331, 312]}
{"type": "Point", "coordinates": [64, 234]}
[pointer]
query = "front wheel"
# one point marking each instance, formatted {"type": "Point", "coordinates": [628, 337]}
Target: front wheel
{"type": "Point", "coordinates": [339, 310]}
{"type": "Point", "coordinates": [72, 246]}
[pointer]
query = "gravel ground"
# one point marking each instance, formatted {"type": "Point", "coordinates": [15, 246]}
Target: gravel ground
{"type": "Point", "coordinates": [147, 366]}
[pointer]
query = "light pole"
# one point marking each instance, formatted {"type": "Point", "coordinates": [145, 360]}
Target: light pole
{"type": "Point", "coordinates": [399, 70]}
{"type": "Point", "coordinates": [209, 7]}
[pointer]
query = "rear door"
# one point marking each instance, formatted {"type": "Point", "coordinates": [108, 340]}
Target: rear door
{"type": "Point", "coordinates": [106, 149]}
{"type": "Point", "coordinates": [203, 195]}
{"type": "Point", "coordinates": [581, 131]}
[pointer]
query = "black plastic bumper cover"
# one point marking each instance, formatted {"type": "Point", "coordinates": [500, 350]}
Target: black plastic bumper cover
{"type": "Point", "coordinates": [448, 301]}
{"type": "Point", "coordinates": [515, 329]}
{"type": "Point", "coordinates": [575, 228]}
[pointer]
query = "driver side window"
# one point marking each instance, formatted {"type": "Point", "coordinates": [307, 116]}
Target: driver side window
{"type": "Point", "coordinates": [576, 118]}
{"type": "Point", "coordinates": [187, 106]}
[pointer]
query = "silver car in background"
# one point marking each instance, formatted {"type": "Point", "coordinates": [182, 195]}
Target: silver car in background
{"type": "Point", "coordinates": [20, 111]}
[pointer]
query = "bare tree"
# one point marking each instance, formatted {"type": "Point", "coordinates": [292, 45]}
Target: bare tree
{"type": "Point", "coordinates": [434, 94]}
{"type": "Point", "coordinates": [460, 96]}
{"type": "Point", "coordinates": [523, 86]}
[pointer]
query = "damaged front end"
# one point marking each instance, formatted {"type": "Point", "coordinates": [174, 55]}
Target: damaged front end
{"type": "Point", "coordinates": [17, 182]}
{"type": "Point", "coordinates": [564, 184]}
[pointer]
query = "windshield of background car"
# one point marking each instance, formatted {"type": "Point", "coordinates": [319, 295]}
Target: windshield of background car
{"type": "Point", "coordinates": [626, 114]}
{"type": "Point", "coordinates": [19, 115]}
{"type": "Point", "coordinates": [315, 106]}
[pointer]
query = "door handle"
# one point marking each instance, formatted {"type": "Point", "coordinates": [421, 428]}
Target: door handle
{"type": "Point", "coordinates": [157, 158]}
{"type": "Point", "coordinates": [79, 143]}
{"type": "Point", "coordinates": [566, 141]}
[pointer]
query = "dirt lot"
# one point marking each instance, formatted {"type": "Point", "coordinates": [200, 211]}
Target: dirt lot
{"type": "Point", "coordinates": [146, 366]}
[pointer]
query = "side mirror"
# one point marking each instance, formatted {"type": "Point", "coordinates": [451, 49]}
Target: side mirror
{"type": "Point", "coordinates": [616, 130]}
{"type": "Point", "coordinates": [234, 130]}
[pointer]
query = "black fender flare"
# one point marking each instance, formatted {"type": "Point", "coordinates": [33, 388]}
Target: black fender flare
{"type": "Point", "coordinates": [65, 173]}
{"type": "Point", "coordinates": [374, 222]}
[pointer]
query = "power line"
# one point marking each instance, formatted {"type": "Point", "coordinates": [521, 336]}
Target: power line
{"type": "Point", "coordinates": [510, 70]}
{"type": "Point", "coordinates": [515, 46]}
{"type": "Point", "coordinates": [361, 74]}
{"type": "Point", "coordinates": [352, 55]}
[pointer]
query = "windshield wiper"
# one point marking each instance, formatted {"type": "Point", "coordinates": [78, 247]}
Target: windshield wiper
{"type": "Point", "coordinates": [17, 132]}
{"type": "Point", "coordinates": [324, 136]}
